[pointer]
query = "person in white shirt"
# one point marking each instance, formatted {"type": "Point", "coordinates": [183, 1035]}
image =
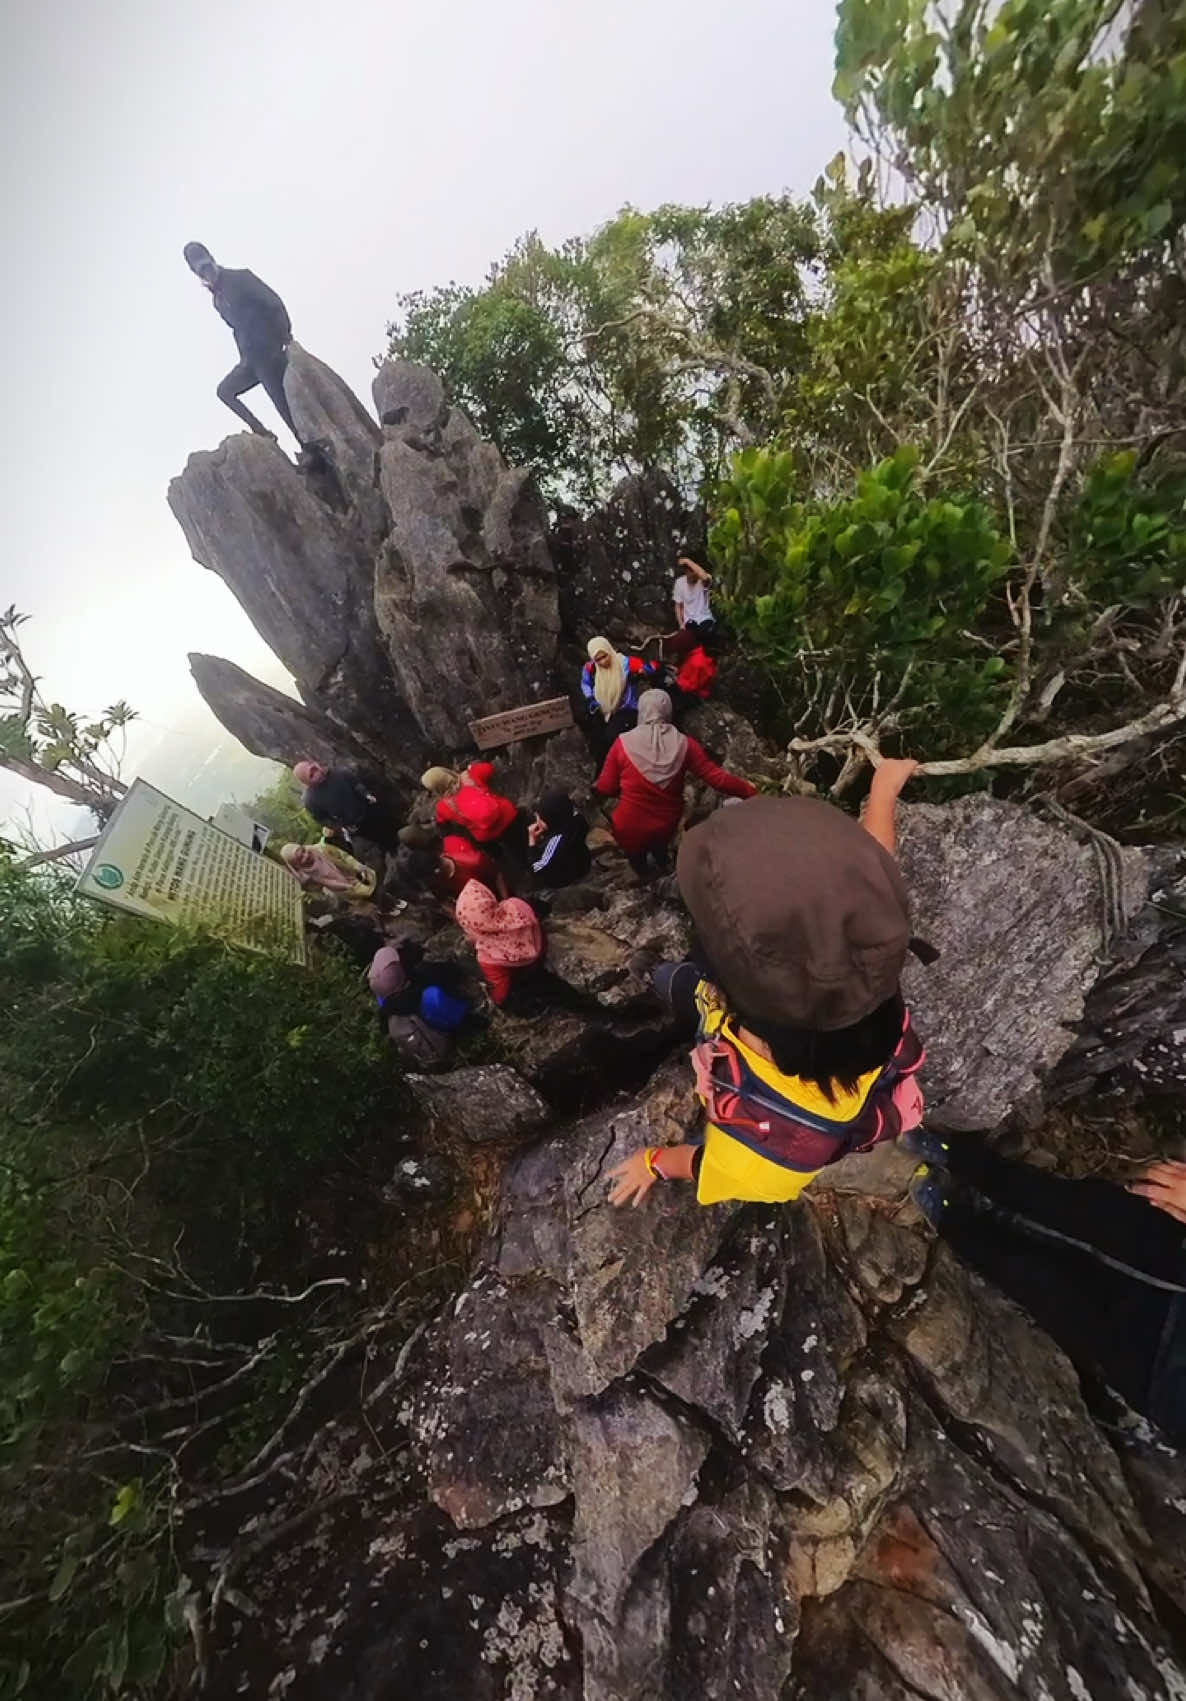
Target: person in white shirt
{"type": "Point", "coordinates": [692, 607]}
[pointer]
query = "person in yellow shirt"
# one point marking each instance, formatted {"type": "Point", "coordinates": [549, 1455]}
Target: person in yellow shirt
{"type": "Point", "coordinates": [804, 1048]}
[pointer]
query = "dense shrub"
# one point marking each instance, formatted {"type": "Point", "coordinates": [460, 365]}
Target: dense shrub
{"type": "Point", "coordinates": [171, 1104]}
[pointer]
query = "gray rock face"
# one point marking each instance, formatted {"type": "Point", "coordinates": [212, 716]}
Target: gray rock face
{"type": "Point", "coordinates": [670, 1452]}
{"type": "Point", "coordinates": [608, 954]}
{"type": "Point", "coordinates": [1133, 1034]}
{"type": "Point", "coordinates": [330, 415]}
{"type": "Point", "coordinates": [618, 566]}
{"type": "Point", "coordinates": [408, 394]}
{"type": "Point", "coordinates": [465, 590]}
{"type": "Point", "coordinates": [268, 722]}
{"type": "Point", "coordinates": [1014, 906]}
{"type": "Point", "coordinates": [401, 573]}
{"type": "Point", "coordinates": [484, 1103]}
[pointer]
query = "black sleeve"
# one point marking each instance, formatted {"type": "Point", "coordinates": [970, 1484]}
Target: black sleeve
{"type": "Point", "coordinates": [318, 811]}
{"type": "Point", "coordinates": [676, 985]}
{"type": "Point", "coordinates": [265, 307]}
{"type": "Point", "coordinates": [450, 977]}
{"type": "Point", "coordinates": [362, 794]}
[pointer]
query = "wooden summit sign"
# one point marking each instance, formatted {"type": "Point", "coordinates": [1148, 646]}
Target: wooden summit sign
{"type": "Point", "coordinates": [527, 722]}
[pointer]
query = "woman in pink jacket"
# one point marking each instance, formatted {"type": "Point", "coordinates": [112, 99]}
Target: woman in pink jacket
{"type": "Point", "coordinates": [506, 936]}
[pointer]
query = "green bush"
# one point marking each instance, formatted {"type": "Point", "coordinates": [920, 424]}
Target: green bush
{"type": "Point", "coordinates": [846, 595]}
{"type": "Point", "coordinates": [1127, 535]}
{"type": "Point", "coordinates": [171, 1105]}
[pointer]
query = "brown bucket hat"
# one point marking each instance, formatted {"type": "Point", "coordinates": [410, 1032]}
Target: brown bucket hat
{"type": "Point", "coordinates": [802, 914]}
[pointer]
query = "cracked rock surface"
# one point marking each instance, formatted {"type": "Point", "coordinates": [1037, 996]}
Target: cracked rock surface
{"type": "Point", "coordinates": [675, 1452]}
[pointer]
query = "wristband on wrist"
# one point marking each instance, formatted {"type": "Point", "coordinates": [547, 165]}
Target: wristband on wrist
{"type": "Point", "coordinates": [650, 1159]}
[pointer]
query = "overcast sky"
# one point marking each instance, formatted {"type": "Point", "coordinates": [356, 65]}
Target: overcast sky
{"type": "Point", "coordinates": [345, 153]}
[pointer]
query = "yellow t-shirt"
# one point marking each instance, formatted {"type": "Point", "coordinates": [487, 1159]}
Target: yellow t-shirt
{"type": "Point", "coordinates": [729, 1170]}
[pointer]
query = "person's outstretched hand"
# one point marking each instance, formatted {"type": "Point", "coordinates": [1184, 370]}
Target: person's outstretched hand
{"type": "Point", "coordinates": [635, 1183]}
{"type": "Point", "coordinates": [1164, 1185]}
{"type": "Point", "coordinates": [892, 774]}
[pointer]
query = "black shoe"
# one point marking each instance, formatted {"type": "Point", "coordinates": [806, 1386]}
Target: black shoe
{"type": "Point", "coordinates": [925, 1144]}
{"type": "Point", "coordinates": [929, 1189]}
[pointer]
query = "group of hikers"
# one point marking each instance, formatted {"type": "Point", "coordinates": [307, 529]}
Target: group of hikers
{"type": "Point", "coordinates": [802, 1047]}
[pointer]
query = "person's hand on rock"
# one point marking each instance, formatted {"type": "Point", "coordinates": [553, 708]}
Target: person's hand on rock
{"type": "Point", "coordinates": [1164, 1185]}
{"type": "Point", "coordinates": [893, 773]}
{"type": "Point", "coordinates": [536, 831]}
{"type": "Point", "coordinates": [635, 1183]}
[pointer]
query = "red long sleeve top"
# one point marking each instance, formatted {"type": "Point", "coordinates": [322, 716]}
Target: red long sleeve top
{"type": "Point", "coordinates": [648, 814]}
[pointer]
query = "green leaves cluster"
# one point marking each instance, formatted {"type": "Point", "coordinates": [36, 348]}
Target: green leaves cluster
{"type": "Point", "coordinates": [864, 586]}
{"type": "Point", "coordinates": [655, 340]}
{"type": "Point", "coordinates": [79, 756]}
{"type": "Point", "coordinates": [279, 809]}
{"type": "Point", "coordinates": [1043, 130]}
{"type": "Point", "coordinates": [1126, 538]}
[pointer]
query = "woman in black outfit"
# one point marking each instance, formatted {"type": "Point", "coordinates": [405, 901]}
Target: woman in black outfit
{"type": "Point", "coordinates": [559, 853]}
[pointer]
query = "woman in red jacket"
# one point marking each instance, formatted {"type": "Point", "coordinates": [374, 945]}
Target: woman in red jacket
{"type": "Point", "coordinates": [646, 768]}
{"type": "Point", "coordinates": [466, 804]}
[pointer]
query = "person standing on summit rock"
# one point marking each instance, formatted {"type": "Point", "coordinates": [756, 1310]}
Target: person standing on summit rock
{"type": "Point", "coordinates": [262, 330]}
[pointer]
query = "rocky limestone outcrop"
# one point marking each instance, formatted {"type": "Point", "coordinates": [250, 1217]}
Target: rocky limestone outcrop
{"type": "Point", "coordinates": [401, 573]}
{"type": "Point", "coordinates": [672, 1452]}
{"type": "Point", "coordinates": [269, 723]}
{"type": "Point", "coordinates": [1133, 1035]}
{"type": "Point", "coordinates": [618, 565]}
{"type": "Point", "coordinates": [995, 888]}
{"type": "Point", "coordinates": [405, 577]}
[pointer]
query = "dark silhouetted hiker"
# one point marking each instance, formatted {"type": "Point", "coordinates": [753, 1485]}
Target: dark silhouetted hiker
{"type": "Point", "coordinates": [338, 797]}
{"type": "Point", "coordinates": [558, 838]}
{"type": "Point", "coordinates": [262, 331]}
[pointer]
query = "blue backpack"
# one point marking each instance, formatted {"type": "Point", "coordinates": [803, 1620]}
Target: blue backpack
{"type": "Point", "coordinates": [441, 1010]}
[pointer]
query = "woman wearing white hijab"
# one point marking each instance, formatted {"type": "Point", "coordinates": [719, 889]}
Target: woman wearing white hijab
{"type": "Point", "coordinates": [646, 769]}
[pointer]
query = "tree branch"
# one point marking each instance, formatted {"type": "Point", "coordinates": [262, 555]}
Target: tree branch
{"type": "Point", "coordinates": [75, 847]}
{"type": "Point", "coordinates": [865, 740]}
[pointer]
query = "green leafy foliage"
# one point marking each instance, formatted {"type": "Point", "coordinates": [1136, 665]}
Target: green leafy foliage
{"type": "Point", "coordinates": [654, 340]}
{"type": "Point", "coordinates": [871, 590]}
{"type": "Point", "coordinates": [169, 1106]}
{"type": "Point", "coordinates": [1039, 140]}
{"type": "Point", "coordinates": [77, 757]}
{"type": "Point", "coordinates": [1127, 535]}
{"type": "Point", "coordinates": [279, 809]}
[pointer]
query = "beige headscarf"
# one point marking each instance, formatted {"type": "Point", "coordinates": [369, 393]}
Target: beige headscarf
{"type": "Point", "coordinates": [440, 781]}
{"type": "Point", "coordinates": [331, 869]}
{"type": "Point", "coordinates": [609, 683]}
{"type": "Point", "coordinates": [656, 748]}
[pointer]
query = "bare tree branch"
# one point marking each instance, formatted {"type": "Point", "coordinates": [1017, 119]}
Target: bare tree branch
{"type": "Point", "coordinates": [74, 848]}
{"type": "Point", "coordinates": [864, 739]}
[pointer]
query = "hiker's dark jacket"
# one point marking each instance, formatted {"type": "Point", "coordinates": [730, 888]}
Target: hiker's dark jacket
{"type": "Point", "coordinates": [339, 800]}
{"type": "Point", "coordinates": [254, 312]}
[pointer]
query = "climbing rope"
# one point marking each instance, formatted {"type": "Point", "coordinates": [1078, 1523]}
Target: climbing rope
{"type": "Point", "coordinates": [1109, 865]}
